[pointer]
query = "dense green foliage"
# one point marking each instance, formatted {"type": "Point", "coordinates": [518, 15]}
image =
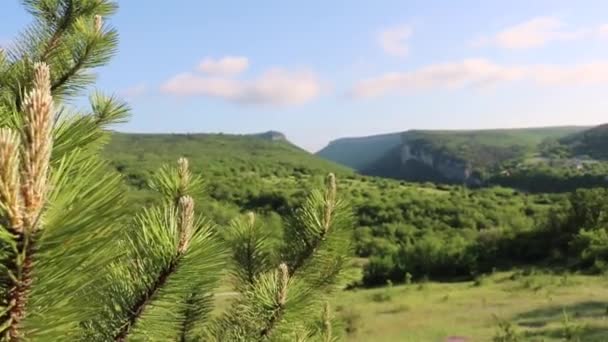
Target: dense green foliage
{"type": "Point", "coordinates": [553, 177]}
{"type": "Point", "coordinates": [565, 232]}
{"type": "Point", "coordinates": [240, 172]}
{"type": "Point", "coordinates": [424, 230]}
{"type": "Point", "coordinates": [486, 148]}
{"type": "Point", "coordinates": [590, 143]}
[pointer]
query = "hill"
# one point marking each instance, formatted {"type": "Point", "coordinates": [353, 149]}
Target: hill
{"type": "Point", "coordinates": [360, 153]}
{"type": "Point", "coordinates": [136, 155]}
{"type": "Point", "coordinates": [446, 156]}
{"type": "Point", "coordinates": [591, 143]}
{"type": "Point", "coordinates": [241, 171]}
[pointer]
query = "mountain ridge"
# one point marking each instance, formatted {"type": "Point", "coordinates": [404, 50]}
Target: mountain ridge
{"type": "Point", "coordinates": [462, 155]}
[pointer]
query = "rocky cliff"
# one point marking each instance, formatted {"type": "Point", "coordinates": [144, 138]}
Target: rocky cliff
{"type": "Point", "coordinates": [452, 169]}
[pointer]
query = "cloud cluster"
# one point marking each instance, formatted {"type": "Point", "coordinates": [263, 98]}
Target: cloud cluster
{"type": "Point", "coordinates": [538, 32]}
{"type": "Point", "coordinates": [275, 86]}
{"type": "Point", "coordinates": [480, 73]}
{"type": "Point", "coordinates": [592, 73]}
{"type": "Point", "coordinates": [394, 40]}
{"type": "Point", "coordinates": [224, 78]}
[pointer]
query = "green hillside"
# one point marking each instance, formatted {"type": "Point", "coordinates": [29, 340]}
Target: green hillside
{"type": "Point", "coordinates": [486, 147]}
{"type": "Point", "coordinates": [592, 143]}
{"type": "Point", "coordinates": [272, 177]}
{"type": "Point", "coordinates": [360, 153]}
{"type": "Point", "coordinates": [136, 155]}
{"type": "Point", "coordinates": [441, 155]}
{"type": "Point", "coordinates": [262, 171]}
{"type": "Point", "coordinates": [578, 160]}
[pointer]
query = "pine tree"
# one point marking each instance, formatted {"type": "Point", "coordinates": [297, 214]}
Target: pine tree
{"type": "Point", "coordinates": [60, 209]}
{"type": "Point", "coordinates": [77, 266]}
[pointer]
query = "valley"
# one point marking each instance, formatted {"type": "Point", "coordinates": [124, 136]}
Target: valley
{"type": "Point", "coordinates": [557, 158]}
{"type": "Point", "coordinates": [456, 246]}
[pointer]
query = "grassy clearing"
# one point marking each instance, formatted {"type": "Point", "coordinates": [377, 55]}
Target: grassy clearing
{"type": "Point", "coordinates": [535, 305]}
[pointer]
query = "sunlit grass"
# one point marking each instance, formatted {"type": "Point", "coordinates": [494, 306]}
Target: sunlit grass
{"type": "Point", "coordinates": [435, 311]}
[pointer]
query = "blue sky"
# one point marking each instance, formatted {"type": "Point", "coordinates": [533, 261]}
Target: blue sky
{"type": "Point", "coordinates": [320, 70]}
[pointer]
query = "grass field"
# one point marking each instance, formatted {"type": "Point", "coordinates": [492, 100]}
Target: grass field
{"type": "Point", "coordinates": [534, 304]}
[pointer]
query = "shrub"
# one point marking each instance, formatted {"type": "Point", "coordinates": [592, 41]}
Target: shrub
{"type": "Point", "coordinates": [506, 332]}
{"type": "Point", "coordinates": [570, 330]}
{"type": "Point", "coordinates": [383, 296]}
{"type": "Point", "coordinates": [351, 321]}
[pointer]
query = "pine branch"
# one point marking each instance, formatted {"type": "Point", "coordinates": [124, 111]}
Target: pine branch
{"type": "Point", "coordinates": [316, 244]}
{"type": "Point", "coordinates": [69, 36]}
{"type": "Point", "coordinates": [19, 293]}
{"type": "Point", "coordinates": [33, 188]}
{"type": "Point", "coordinates": [179, 271]}
{"type": "Point", "coordinates": [140, 305]}
{"type": "Point", "coordinates": [91, 39]}
{"type": "Point", "coordinates": [66, 20]}
{"type": "Point", "coordinates": [88, 131]}
{"type": "Point", "coordinates": [197, 308]}
{"type": "Point", "coordinates": [189, 321]}
{"type": "Point", "coordinates": [278, 309]}
{"type": "Point", "coordinates": [174, 182]}
{"type": "Point", "coordinates": [250, 249]}
{"type": "Point", "coordinates": [314, 231]}
{"type": "Point", "coordinates": [186, 218]}
{"type": "Point", "coordinates": [326, 326]}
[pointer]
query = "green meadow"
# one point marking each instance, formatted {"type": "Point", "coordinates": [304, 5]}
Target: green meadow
{"type": "Point", "coordinates": [538, 307]}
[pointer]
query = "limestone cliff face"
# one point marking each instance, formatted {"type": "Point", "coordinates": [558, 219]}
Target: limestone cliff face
{"type": "Point", "coordinates": [451, 168]}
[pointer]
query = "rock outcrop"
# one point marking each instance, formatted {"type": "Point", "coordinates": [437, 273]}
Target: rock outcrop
{"type": "Point", "coordinates": [450, 168]}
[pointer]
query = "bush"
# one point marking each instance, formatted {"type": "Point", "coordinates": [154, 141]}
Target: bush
{"type": "Point", "coordinates": [570, 330]}
{"type": "Point", "coordinates": [383, 296]}
{"type": "Point", "coordinates": [506, 332]}
{"type": "Point", "coordinates": [480, 280]}
{"type": "Point", "coordinates": [351, 321]}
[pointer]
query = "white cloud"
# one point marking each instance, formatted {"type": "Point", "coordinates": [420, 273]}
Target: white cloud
{"type": "Point", "coordinates": [533, 33]}
{"type": "Point", "coordinates": [134, 91]}
{"type": "Point", "coordinates": [394, 40]}
{"type": "Point", "coordinates": [481, 73]}
{"type": "Point", "coordinates": [592, 73]}
{"type": "Point", "coordinates": [274, 87]}
{"type": "Point", "coordinates": [226, 66]}
{"type": "Point", "coordinates": [445, 75]}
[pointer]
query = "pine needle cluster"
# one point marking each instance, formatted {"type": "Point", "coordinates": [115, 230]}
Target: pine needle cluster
{"type": "Point", "coordinates": [75, 266]}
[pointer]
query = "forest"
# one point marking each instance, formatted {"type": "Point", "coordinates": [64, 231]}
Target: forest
{"type": "Point", "coordinates": [424, 230]}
